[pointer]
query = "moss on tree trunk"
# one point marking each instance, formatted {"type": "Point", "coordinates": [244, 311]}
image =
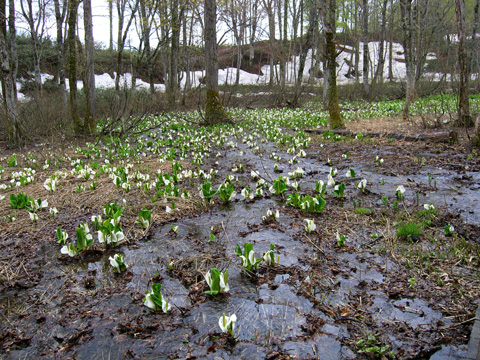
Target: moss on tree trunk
{"type": "Point", "coordinates": [214, 110]}
{"type": "Point", "coordinates": [336, 121]}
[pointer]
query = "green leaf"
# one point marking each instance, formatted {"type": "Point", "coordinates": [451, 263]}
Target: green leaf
{"type": "Point", "coordinates": [238, 250]}
{"type": "Point", "coordinates": [215, 280]}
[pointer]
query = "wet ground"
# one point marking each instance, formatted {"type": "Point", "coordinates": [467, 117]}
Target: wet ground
{"type": "Point", "coordinates": [320, 302]}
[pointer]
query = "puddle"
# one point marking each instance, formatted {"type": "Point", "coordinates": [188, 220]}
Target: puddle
{"type": "Point", "coordinates": [413, 312]}
{"type": "Point", "coordinates": [272, 315]}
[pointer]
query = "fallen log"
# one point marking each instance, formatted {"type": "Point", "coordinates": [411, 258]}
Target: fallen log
{"type": "Point", "coordinates": [438, 137]}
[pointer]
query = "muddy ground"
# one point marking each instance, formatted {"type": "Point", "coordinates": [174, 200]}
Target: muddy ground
{"type": "Point", "coordinates": [378, 295]}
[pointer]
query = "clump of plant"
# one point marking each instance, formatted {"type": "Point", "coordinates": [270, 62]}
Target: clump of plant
{"type": "Point", "coordinates": [363, 211]}
{"type": "Point", "coordinates": [320, 187]}
{"type": "Point", "coordinates": [118, 263]}
{"type": "Point", "coordinates": [271, 216]}
{"type": "Point", "coordinates": [310, 225]}
{"type": "Point", "coordinates": [20, 200]}
{"type": "Point", "coordinates": [279, 186]}
{"type": "Point", "coordinates": [145, 217]}
{"type": "Point", "coordinates": [340, 240]}
{"type": "Point", "coordinates": [370, 345]}
{"type": "Point", "coordinates": [226, 192]}
{"type": "Point", "coordinates": [113, 211]}
{"type": "Point", "coordinates": [217, 281]}
{"type": "Point", "coordinates": [155, 301]}
{"type": "Point", "coordinates": [269, 256]}
{"type": "Point", "coordinates": [307, 203]}
{"type": "Point", "coordinates": [62, 236]}
{"type": "Point", "coordinates": [448, 230]}
{"type": "Point", "coordinates": [84, 240]}
{"type": "Point", "coordinates": [227, 323]}
{"type": "Point", "coordinates": [410, 231]}
{"type": "Point", "coordinates": [339, 190]}
{"type": "Point", "coordinates": [207, 192]}
{"type": "Point", "coordinates": [110, 233]}
{"type": "Point", "coordinates": [249, 262]}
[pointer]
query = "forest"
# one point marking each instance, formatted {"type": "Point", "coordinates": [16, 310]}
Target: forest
{"type": "Point", "coordinates": [274, 179]}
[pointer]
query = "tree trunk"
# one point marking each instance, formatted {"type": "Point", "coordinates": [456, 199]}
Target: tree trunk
{"type": "Point", "coordinates": [464, 118]}
{"type": "Point", "coordinates": [174, 51]}
{"type": "Point", "coordinates": [408, 48]}
{"type": "Point", "coordinates": [14, 127]}
{"type": "Point", "coordinates": [186, 56]}
{"type": "Point", "coordinates": [89, 68]}
{"type": "Point", "coordinates": [381, 56]}
{"type": "Point", "coordinates": [312, 25]}
{"type": "Point", "coordinates": [110, 21]}
{"type": "Point", "coordinates": [328, 14]}
{"type": "Point", "coordinates": [214, 111]}
{"type": "Point", "coordinates": [72, 65]}
{"type": "Point", "coordinates": [236, 34]}
{"type": "Point", "coordinates": [366, 51]}
{"type": "Point", "coordinates": [120, 44]}
{"type": "Point", "coordinates": [253, 30]}
{"type": "Point", "coordinates": [60, 18]}
{"type": "Point", "coordinates": [12, 44]}
{"type": "Point", "coordinates": [390, 49]}
{"type": "Point", "coordinates": [35, 23]}
{"type": "Point", "coordinates": [473, 50]}
{"type": "Point", "coordinates": [122, 34]}
{"type": "Point", "coordinates": [270, 9]}
{"type": "Point", "coordinates": [284, 47]}
{"type": "Point", "coordinates": [357, 44]}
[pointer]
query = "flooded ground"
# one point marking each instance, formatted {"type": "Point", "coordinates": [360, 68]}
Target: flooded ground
{"type": "Point", "coordinates": [377, 295]}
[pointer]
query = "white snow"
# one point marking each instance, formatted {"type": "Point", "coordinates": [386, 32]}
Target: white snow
{"type": "Point", "coordinates": [228, 75]}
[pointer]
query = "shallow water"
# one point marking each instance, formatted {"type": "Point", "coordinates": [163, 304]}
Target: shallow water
{"type": "Point", "coordinates": [272, 316]}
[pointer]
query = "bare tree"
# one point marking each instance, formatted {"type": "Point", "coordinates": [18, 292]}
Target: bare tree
{"type": "Point", "coordinates": [14, 127]}
{"type": "Point", "coordinates": [89, 81]}
{"type": "Point", "coordinates": [60, 13]}
{"type": "Point", "coordinates": [309, 43]}
{"type": "Point", "coordinates": [474, 46]}
{"type": "Point", "coordinates": [408, 25]}
{"type": "Point", "coordinates": [254, 14]}
{"type": "Point", "coordinates": [72, 65]}
{"type": "Point", "coordinates": [269, 6]}
{"type": "Point", "coordinates": [176, 15]}
{"type": "Point", "coordinates": [381, 52]}
{"type": "Point", "coordinates": [214, 111]}
{"type": "Point", "coordinates": [366, 51]}
{"type": "Point", "coordinates": [464, 117]}
{"type": "Point", "coordinates": [12, 42]}
{"type": "Point", "coordinates": [110, 22]}
{"type": "Point", "coordinates": [123, 32]}
{"type": "Point", "coordinates": [328, 14]}
{"type": "Point", "coordinates": [36, 20]}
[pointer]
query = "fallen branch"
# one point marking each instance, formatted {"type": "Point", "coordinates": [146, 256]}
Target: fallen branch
{"type": "Point", "coordinates": [442, 136]}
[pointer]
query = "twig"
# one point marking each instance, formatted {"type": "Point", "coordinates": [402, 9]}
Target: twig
{"type": "Point", "coordinates": [316, 247]}
{"type": "Point", "coordinates": [459, 324]}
